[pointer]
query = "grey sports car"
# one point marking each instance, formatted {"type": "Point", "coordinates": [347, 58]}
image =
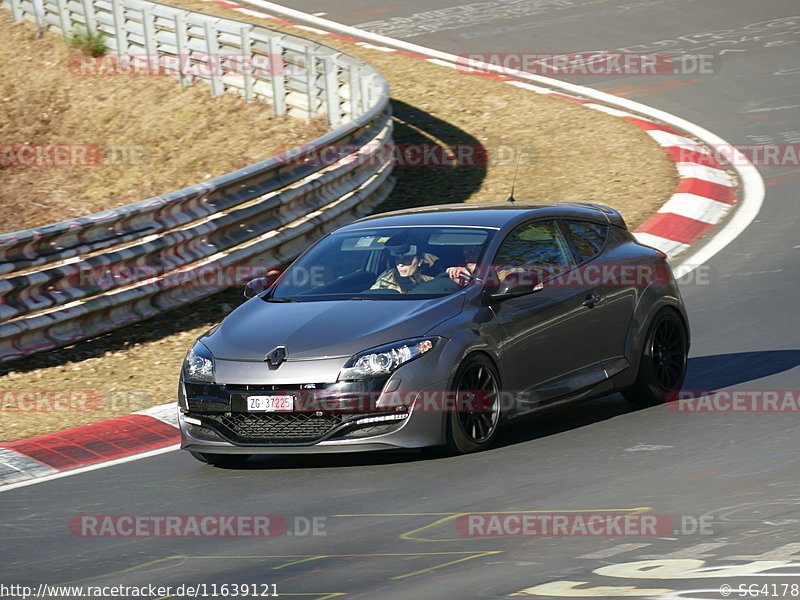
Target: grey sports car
{"type": "Point", "coordinates": [434, 326]}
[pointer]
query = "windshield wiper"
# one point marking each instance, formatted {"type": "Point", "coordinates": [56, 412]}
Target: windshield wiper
{"type": "Point", "coordinates": [287, 299]}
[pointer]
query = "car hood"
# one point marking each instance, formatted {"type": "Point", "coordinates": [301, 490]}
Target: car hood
{"type": "Point", "coordinates": [325, 329]}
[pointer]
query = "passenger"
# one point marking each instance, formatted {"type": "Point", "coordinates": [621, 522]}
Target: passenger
{"type": "Point", "coordinates": [404, 275]}
{"type": "Point", "coordinates": [496, 274]}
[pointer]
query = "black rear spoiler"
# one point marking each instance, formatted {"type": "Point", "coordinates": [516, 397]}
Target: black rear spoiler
{"type": "Point", "coordinates": [613, 216]}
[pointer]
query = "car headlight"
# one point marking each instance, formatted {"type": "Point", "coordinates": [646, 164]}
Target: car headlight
{"type": "Point", "coordinates": [381, 361]}
{"type": "Point", "coordinates": [199, 364]}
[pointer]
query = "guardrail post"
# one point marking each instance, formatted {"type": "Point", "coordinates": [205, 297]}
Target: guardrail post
{"type": "Point", "coordinates": [372, 92]}
{"type": "Point", "coordinates": [366, 96]}
{"type": "Point", "coordinates": [182, 45]}
{"type": "Point", "coordinates": [150, 45]}
{"type": "Point", "coordinates": [120, 31]}
{"type": "Point", "coordinates": [63, 16]}
{"type": "Point", "coordinates": [311, 82]}
{"type": "Point", "coordinates": [212, 60]}
{"type": "Point", "coordinates": [88, 16]}
{"type": "Point", "coordinates": [247, 65]}
{"type": "Point", "coordinates": [355, 91]}
{"type": "Point", "coordinates": [331, 83]}
{"type": "Point", "coordinates": [38, 13]}
{"type": "Point", "coordinates": [279, 78]}
{"type": "Point", "coordinates": [16, 11]}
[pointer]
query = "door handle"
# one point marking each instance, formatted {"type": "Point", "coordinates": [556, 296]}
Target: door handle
{"type": "Point", "coordinates": [591, 300]}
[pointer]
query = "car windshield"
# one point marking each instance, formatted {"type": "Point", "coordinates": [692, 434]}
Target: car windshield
{"type": "Point", "coordinates": [384, 263]}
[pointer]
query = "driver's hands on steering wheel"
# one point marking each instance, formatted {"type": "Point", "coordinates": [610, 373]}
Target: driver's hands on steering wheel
{"type": "Point", "coordinates": [461, 274]}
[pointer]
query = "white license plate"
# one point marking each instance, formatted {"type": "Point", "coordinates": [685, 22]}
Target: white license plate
{"type": "Point", "coordinates": [270, 403]}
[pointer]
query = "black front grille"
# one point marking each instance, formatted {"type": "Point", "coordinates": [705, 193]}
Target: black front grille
{"type": "Point", "coordinates": [249, 387]}
{"type": "Point", "coordinates": [292, 428]}
{"type": "Point", "coordinates": [208, 398]}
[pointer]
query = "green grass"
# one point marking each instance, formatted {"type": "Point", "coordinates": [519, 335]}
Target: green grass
{"type": "Point", "coordinates": [89, 43]}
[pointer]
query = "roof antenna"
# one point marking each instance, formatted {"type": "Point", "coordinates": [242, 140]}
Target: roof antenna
{"type": "Point", "coordinates": [514, 182]}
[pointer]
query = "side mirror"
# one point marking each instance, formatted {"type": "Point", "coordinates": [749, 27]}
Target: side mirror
{"type": "Point", "coordinates": [517, 283]}
{"type": "Point", "coordinates": [255, 286]}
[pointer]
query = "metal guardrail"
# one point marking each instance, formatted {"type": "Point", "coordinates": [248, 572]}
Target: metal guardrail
{"type": "Point", "coordinates": [299, 77]}
{"type": "Point", "coordinates": [52, 294]}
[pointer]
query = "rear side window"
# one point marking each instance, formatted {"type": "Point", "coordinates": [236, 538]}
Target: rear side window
{"type": "Point", "coordinates": [534, 245]}
{"type": "Point", "coordinates": [587, 239]}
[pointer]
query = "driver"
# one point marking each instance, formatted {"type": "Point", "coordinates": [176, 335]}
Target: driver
{"type": "Point", "coordinates": [404, 275]}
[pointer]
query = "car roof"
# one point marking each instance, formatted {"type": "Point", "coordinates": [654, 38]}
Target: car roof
{"type": "Point", "coordinates": [489, 214]}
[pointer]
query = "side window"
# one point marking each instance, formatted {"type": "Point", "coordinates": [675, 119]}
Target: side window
{"type": "Point", "coordinates": [587, 238]}
{"type": "Point", "coordinates": [537, 245]}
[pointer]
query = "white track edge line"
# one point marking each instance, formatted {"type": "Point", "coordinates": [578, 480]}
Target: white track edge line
{"type": "Point", "coordinates": [94, 467]}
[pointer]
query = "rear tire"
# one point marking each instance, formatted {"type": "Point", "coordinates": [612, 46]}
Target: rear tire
{"type": "Point", "coordinates": [473, 430]}
{"type": "Point", "coordinates": [221, 460]}
{"type": "Point", "coordinates": [662, 368]}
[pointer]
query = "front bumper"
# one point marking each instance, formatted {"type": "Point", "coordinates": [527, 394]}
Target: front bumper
{"type": "Point", "coordinates": [341, 417]}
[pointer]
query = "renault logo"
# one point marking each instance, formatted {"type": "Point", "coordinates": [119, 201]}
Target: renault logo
{"type": "Point", "coordinates": [277, 357]}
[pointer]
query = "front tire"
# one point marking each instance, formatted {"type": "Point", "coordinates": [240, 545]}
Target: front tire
{"type": "Point", "coordinates": [662, 368]}
{"type": "Point", "coordinates": [474, 428]}
{"type": "Point", "coordinates": [221, 460]}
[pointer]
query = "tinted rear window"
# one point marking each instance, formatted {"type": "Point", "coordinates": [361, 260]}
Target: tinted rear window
{"type": "Point", "coordinates": [587, 239]}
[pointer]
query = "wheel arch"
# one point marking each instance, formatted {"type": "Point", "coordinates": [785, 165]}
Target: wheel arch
{"type": "Point", "coordinates": [643, 318]}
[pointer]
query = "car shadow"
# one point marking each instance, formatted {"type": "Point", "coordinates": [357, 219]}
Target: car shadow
{"type": "Point", "coordinates": [416, 185]}
{"type": "Point", "coordinates": [724, 370]}
{"type": "Point", "coordinates": [707, 373]}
